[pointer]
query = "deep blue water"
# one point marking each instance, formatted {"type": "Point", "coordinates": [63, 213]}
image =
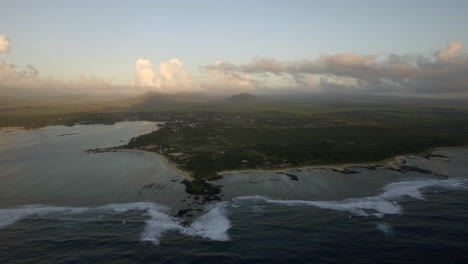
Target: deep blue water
{"type": "Point", "coordinates": [434, 230]}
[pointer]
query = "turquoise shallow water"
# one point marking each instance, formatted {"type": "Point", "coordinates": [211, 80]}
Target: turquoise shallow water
{"type": "Point", "coordinates": [59, 204]}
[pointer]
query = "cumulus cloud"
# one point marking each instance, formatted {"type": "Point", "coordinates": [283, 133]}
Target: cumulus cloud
{"type": "Point", "coordinates": [144, 73]}
{"type": "Point", "coordinates": [223, 77]}
{"type": "Point", "coordinates": [15, 80]}
{"type": "Point", "coordinates": [26, 81]}
{"type": "Point", "coordinates": [447, 72]}
{"type": "Point", "coordinates": [171, 76]}
{"type": "Point", "coordinates": [217, 78]}
{"type": "Point", "coordinates": [4, 44]}
{"type": "Point", "coordinates": [346, 59]}
{"type": "Point", "coordinates": [10, 76]}
{"type": "Point", "coordinates": [453, 47]}
{"type": "Point", "coordinates": [443, 72]}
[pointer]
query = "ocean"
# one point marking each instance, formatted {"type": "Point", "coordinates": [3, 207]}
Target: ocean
{"type": "Point", "coordinates": [60, 204]}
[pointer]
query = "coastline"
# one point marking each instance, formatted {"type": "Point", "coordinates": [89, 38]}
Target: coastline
{"type": "Point", "coordinates": [390, 162]}
{"type": "Point", "coordinates": [393, 162]}
{"type": "Point", "coordinates": [11, 128]}
{"type": "Point", "coordinates": [171, 165]}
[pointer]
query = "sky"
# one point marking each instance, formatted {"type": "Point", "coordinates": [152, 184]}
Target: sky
{"type": "Point", "coordinates": [233, 46]}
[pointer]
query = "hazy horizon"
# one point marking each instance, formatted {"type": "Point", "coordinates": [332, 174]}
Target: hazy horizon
{"type": "Point", "coordinates": [266, 47]}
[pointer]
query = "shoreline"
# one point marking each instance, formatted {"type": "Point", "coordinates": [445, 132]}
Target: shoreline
{"type": "Point", "coordinates": [339, 166]}
{"type": "Point", "coordinates": [169, 164]}
{"type": "Point", "coordinates": [393, 162]}
{"type": "Point", "coordinates": [11, 128]}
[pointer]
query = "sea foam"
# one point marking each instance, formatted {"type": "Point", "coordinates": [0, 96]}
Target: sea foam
{"type": "Point", "coordinates": [213, 225]}
{"type": "Point", "coordinates": [12, 215]}
{"type": "Point", "coordinates": [385, 203]}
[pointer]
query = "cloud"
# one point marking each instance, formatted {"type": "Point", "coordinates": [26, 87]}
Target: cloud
{"type": "Point", "coordinates": [453, 47]}
{"type": "Point", "coordinates": [446, 72]}
{"type": "Point", "coordinates": [26, 81]}
{"type": "Point", "coordinates": [4, 44]}
{"type": "Point", "coordinates": [346, 60]}
{"type": "Point", "coordinates": [223, 77]}
{"type": "Point", "coordinates": [144, 73]}
{"type": "Point", "coordinates": [10, 76]}
{"type": "Point", "coordinates": [217, 78]}
{"type": "Point", "coordinates": [171, 76]}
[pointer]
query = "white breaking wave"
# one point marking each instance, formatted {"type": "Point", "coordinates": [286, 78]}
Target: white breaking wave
{"type": "Point", "coordinates": [13, 215]}
{"type": "Point", "coordinates": [379, 205]}
{"type": "Point", "coordinates": [385, 228]}
{"type": "Point", "coordinates": [212, 225]}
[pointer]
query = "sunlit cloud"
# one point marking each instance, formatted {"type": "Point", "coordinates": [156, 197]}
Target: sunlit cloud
{"type": "Point", "coordinates": [27, 81]}
{"type": "Point", "coordinates": [4, 44]}
{"type": "Point", "coordinates": [171, 76]}
{"type": "Point", "coordinates": [24, 81]}
{"type": "Point", "coordinates": [453, 47]}
{"type": "Point", "coordinates": [444, 72]}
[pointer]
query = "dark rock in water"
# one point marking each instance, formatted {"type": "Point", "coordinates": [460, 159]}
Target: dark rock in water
{"type": "Point", "coordinates": [373, 167]}
{"type": "Point", "coordinates": [202, 191]}
{"type": "Point", "coordinates": [406, 168]}
{"type": "Point", "coordinates": [292, 177]}
{"type": "Point", "coordinates": [416, 169]}
{"type": "Point", "coordinates": [199, 187]}
{"type": "Point", "coordinates": [397, 170]}
{"type": "Point", "coordinates": [69, 134]}
{"type": "Point", "coordinates": [182, 212]}
{"type": "Point", "coordinates": [151, 186]}
{"type": "Point", "coordinates": [210, 198]}
{"type": "Point", "coordinates": [345, 171]}
{"type": "Point", "coordinates": [433, 155]}
{"type": "Point", "coordinates": [185, 223]}
{"type": "Point", "coordinates": [100, 150]}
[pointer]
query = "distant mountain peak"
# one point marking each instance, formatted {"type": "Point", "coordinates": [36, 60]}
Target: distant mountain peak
{"type": "Point", "coordinates": [243, 98]}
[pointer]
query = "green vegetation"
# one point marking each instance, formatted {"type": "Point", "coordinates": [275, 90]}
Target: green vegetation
{"type": "Point", "coordinates": [205, 143]}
